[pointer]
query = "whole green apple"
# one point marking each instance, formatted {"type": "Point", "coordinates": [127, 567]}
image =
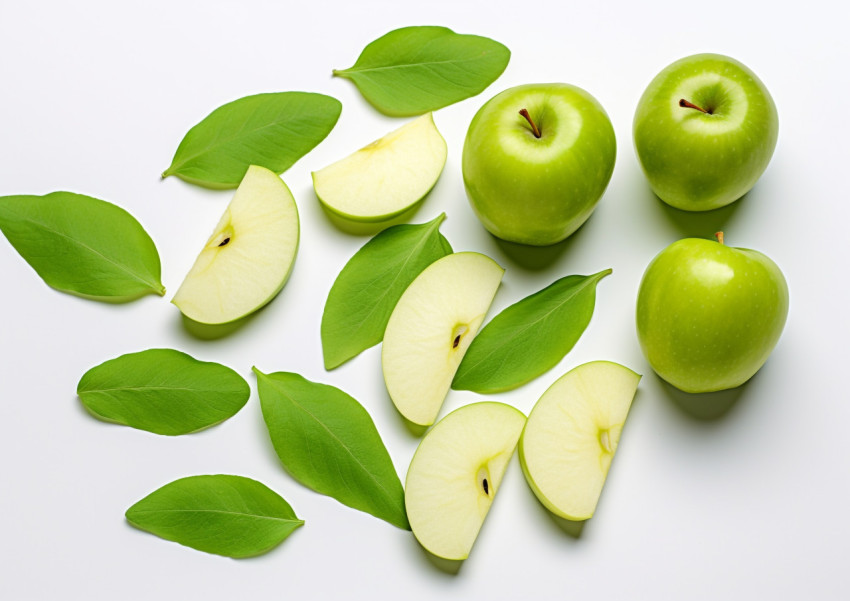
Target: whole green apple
{"type": "Point", "coordinates": [709, 315]}
{"type": "Point", "coordinates": [705, 130]}
{"type": "Point", "coordinates": [536, 160]}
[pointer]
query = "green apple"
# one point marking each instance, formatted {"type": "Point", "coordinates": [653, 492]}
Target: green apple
{"type": "Point", "coordinates": [430, 329]}
{"type": "Point", "coordinates": [387, 177]}
{"type": "Point", "coordinates": [704, 131]}
{"type": "Point", "coordinates": [708, 315]}
{"type": "Point", "coordinates": [247, 260]}
{"type": "Point", "coordinates": [536, 160]}
{"type": "Point", "coordinates": [572, 434]}
{"type": "Point", "coordinates": [455, 474]}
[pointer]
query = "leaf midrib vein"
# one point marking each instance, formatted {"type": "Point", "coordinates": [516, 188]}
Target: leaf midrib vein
{"type": "Point", "coordinates": [518, 332]}
{"type": "Point", "coordinates": [335, 438]}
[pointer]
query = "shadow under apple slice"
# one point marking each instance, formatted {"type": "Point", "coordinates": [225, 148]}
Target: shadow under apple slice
{"type": "Point", "coordinates": [204, 331]}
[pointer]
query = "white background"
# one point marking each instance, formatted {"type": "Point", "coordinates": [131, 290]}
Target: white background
{"type": "Point", "coordinates": [95, 97]}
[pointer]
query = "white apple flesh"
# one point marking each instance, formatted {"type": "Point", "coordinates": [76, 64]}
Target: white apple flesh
{"type": "Point", "coordinates": [572, 434]}
{"type": "Point", "coordinates": [455, 474]}
{"type": "Point", "coordinates": [431, 328]}
{"type": "Point", "coordinates": [249, 256]}
{"type": "Point", "coordinates": [388, 176]}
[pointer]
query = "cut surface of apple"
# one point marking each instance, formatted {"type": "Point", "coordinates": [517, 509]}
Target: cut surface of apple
{"type": "Point", "coordinates": [248, 258]}
{"type": "Point", "coordinates": [455, 474]}
{"type": "Point", "coordinates": [388, 176]}
{"type": "Point", "coordinates": [430, 329]}
{"type": "Point", "coordinates": [572, 434]}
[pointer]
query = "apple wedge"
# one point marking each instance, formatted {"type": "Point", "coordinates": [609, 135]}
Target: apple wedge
{"type": "Point", "coordinates": [455, 474]}
{"type": "Point", "coordinates": [387, 177]}
{"type": "Point", "coordinates": [248, 258]}
{"type": "Point", "coordinates": [430, 329]}
{"type": "Point", "coordinates": [572, 434]}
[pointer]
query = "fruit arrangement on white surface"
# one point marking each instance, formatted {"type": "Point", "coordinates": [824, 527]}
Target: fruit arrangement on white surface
{"type": "Point", "coordinates": [536, 161]}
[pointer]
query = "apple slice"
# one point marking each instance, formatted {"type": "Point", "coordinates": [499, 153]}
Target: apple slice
{"type": "Point", "coordinates": [248, 258]}
{"type": "Point", "coordinates": [430, 329]}
{"type": "Point", "coordinates": [455, 474]}
{"type": "Point", "coordinates": [572, 434]}
{"type": "Point", "coordinates": [387, 177]}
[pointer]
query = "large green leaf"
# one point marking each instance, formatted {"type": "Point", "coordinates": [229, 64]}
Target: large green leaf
{"type": "Point", "coordinates": [327, 441]}
{"type": "Point", "coordinates": [529, 337]}
{"type": "Point", "coordinates": [269, 130]}
{"type": "Point", "coordinates": [163, 391]}
{"type": "Point", "coordinates": [82, 245]}
{"type": "Point", "coordinates": [226, 515]}
{"type": "Point", "coordinates": [366, 290]}
{"type": "Point", "coordinates": [414, 70]}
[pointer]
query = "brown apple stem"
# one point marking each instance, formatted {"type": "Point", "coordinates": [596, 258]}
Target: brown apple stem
{"type": "Point", "coordinates": [719, 236]}
{"type": "Point", "coordinates": [524, 113]}
{"type": "Point", "coordinates": [690, 105]}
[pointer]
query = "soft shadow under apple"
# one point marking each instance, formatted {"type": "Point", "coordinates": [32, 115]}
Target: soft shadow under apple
{"type": "Point", "coordinates": [538, 258]}
{"type": "Point", "coordinates": [705, 406]}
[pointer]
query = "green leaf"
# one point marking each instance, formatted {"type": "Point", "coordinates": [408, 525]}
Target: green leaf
{"type": "Point", "coordinates": [415, 70]}
{"type": "Point", "coordinates": [163, 391]}
{"type": "Point", "coordinates": [269, 130]}
{"type": "Point", "coordinates": [221, 514]}
{"type": "Point", "coordinates": [82, 245]}
{"type": "Point", "coordinates": [328, 442]}
{"type": "Point", "coordinates": [368, 287]}
{"type": "Point", "coordinates": [529, 337]}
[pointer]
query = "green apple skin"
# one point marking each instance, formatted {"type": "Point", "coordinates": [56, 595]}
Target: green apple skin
{"type": "Point", "coordinates": [708, 315]}
{"type": "Point", "coordinates": [531, 190]}
{"type": "Point", "coordinates": [699, 161]}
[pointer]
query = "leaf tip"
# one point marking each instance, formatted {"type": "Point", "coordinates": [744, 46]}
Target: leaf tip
{"type": "Point", "coordinates": [257, 371]}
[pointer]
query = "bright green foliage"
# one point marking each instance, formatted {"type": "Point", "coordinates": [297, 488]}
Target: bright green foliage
{"type": "Point", "coordinates": [327, 441]}
{"type": "Point", "coordinates": [368, 287]}
{"type": "Point", "coordinates": [269, 130]}
{"type": "Point", "coordinates": [82, 245]}
{"type": "Point", "coordinates": [163, 391]}
{"type": "Point", "coordinates": [413, 70]}
{"type": "Point", "coordinates": [225, 515]}
{"type": "Point", "coordinates": [529, 337]}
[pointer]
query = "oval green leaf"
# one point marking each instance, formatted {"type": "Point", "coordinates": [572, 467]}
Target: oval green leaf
{"type": "Point", "coordinates": [363, 295]}
{"type": "Point", "coordinates": [269, 130]}
{"type": "Point", "coordinates": [328, 442]}
{"type": "Point", "coordinates": [530, 337]}
{"type": "Point", "coordinates": [163, 391]}
{"type": "Point", "coordinates": [226, 515]}
{"type": "Point", "coordinates": [82, 245]}
{"type": "Point", "coordinates": [414, 70]}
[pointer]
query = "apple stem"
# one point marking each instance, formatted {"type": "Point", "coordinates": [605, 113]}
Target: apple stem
{"type": "Point", "coordinates": [690, 105]}
{"type": "Point", "coordinates": [524, 113]}
{"type": "Point", "coordinates": [719, 236]}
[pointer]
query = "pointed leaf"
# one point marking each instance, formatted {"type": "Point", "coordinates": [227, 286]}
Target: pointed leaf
{"type": "Point", "coordinates": [163, 391]}
{"type": "Point", "coordinates": [529, 337]}
{"type": "Point", "coordinates": [414, 70]}
{"type": "Point", "coordinates": [227, 515]}
{"type": "Point", "coordinates": [366, 290]}
{"type": "Point", "coordinates": [82, 245]}
{"type": "Point", "coordinates": [328, 442]}
{"type": "Point", "coordinates": [269, 130]}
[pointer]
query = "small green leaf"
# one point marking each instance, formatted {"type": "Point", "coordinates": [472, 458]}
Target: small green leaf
{"type": "Point", "coordinates": [226, 515]}
{"type": "Point", "coordinates": [82, 245]}
{"type": "Point", "coordinates": [366, 290]}
{"type": "Point", "coordinates": [163, 391]}
{"type": "Point", "coordinates": [529, 337]}
{"type": "Point", "coordinates": [328, 442]}
{"type": "Point", "coordinates": [414, 70]}
{"type": "Point", "coordinates": [269, 130]}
